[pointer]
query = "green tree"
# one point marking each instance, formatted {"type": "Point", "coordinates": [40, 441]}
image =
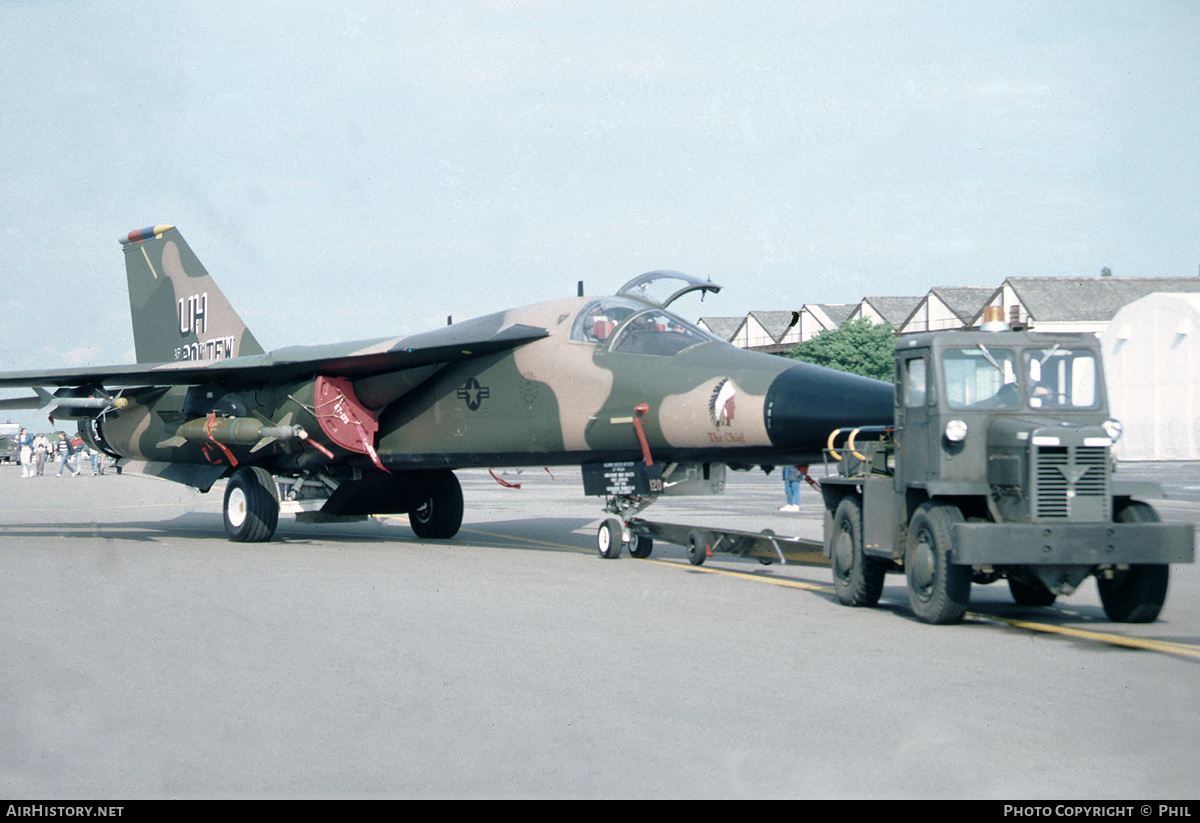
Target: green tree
{"type": "Point", "coordinates": [857, 346]}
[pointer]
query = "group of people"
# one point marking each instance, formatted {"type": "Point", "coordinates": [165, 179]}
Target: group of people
{"type": "Point", "coordinates": [34, 451]}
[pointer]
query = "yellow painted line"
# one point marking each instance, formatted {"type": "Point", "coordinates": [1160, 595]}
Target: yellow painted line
{"type": "Point", "coordinates": [775, 581]}
{"type": "Point", "coordinates": [1165, 646]}
{"type": "Point", "coordinates": [514, 538]}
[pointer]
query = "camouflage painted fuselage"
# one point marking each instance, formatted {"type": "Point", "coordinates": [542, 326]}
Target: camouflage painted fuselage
{"type": "Point", "coordinates": [556, 400]}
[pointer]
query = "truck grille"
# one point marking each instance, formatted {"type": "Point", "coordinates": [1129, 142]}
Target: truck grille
{"type": "Point", "coordinates": [1071, 483]}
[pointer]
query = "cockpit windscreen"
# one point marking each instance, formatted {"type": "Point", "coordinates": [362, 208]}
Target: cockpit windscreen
{"type": "Point", "coordinates": [627, 326]}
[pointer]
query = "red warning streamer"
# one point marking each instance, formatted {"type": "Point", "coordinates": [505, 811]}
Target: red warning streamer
{"type": "Point", "coordinates": [504, 483]}
{"type": "Point", "coordinates": [208, 427]}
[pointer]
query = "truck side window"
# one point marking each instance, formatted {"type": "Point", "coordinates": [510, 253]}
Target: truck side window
{"type": "Point", "coordinates": [914, 383]}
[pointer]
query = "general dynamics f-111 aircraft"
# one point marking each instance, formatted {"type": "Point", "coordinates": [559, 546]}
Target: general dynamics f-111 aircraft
{"type": "Point", "coordinates": [646, 402]}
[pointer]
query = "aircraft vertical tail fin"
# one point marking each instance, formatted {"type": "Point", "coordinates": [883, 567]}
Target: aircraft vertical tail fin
{"type": "Point", "coordinates": [178, 311]}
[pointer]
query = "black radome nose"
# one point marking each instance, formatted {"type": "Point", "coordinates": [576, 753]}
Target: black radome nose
{"type": "Point", "coordinates": [806, 402]}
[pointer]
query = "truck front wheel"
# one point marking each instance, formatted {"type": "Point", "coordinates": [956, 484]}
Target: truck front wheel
{"type": "Point", "coordinates": [1135, 594]}
{"type": "Point", "coordinates": [857, 578]}
{"type": "Point", "coordinates": [938, 590]}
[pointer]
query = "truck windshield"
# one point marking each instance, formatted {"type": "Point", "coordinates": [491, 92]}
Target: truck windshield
{"type": "Point", "coordinates": [981, 378]}
{"type": "Point", "coordinates": [1061, 378]}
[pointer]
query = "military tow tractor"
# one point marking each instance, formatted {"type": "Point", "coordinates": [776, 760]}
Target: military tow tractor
{"type": "Point", "coordinates": [10, 450]}
{"type": "Point", "coordinates": [998, 465]}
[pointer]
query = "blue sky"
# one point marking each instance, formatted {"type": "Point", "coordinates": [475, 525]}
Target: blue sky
{"type": "Point", "coordinates": [366, 169]}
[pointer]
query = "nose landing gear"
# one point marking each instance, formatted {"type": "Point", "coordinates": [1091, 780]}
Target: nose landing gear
{"type": "Point", "coordinates": [615, 535]}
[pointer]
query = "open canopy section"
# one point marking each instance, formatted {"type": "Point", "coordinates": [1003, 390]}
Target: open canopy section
{"type": "Point", "coordinates": [662, 288]}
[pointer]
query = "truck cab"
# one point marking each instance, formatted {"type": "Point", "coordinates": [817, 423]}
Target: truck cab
{"type": "Point", "coordinates": [999, 465]}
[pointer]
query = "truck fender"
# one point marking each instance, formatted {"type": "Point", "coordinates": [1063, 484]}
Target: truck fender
{"type": "Point", "coordinates": [1137, 489]}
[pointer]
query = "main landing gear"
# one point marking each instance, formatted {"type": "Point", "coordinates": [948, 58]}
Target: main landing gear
{"type": "Point", "coordinates": [440, 512]}
{"type": "Point", "coordinates": [433, 500]}
{"type": "Point", "coordinates": [251, 505]}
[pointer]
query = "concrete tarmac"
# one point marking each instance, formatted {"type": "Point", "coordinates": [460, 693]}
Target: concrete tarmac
{"type": "Point", "coordinates": [146, 656]}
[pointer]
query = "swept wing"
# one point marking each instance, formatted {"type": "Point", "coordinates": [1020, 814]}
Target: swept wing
{"type": "Point", "coordinates": [352, 360]}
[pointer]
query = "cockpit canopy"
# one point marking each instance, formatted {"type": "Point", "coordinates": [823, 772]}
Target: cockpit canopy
{"type": "Point", "coordinates": [634, 321]}
{"type": "Point", "coordinates": [662, 288]}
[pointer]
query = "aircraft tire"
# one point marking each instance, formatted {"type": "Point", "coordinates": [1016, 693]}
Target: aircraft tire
{"type": "Point", "coordinates": [440, 515]}
{"type": "Point", "coordinates": [609, 538]}
{"type": "Point", "coordinates": [1136, 594]}
{"type": "Point", "coordinates": [641, 547]}
{"type": "Point", "coordinates": [857, 578]}
{"type": "Point", "coordinates": [251, 506]}
{"type": "Point", "coordinates": [938, 590]}
{"type": "Point", "coordinates": [766, 561]}
{"type": "Point", "coordinates": [697, 547]}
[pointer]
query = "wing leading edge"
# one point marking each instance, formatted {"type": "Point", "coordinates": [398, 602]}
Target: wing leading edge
{"type": "Point", "coordinates": [352, 360]}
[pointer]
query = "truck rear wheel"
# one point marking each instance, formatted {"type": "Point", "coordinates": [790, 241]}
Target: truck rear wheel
{"type": "Point", "coordinates": [857, 578]}
{"type": "Point", "coordinates": [1136, 594]}
{"type": "Point", "coordinates": [938, 590]}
